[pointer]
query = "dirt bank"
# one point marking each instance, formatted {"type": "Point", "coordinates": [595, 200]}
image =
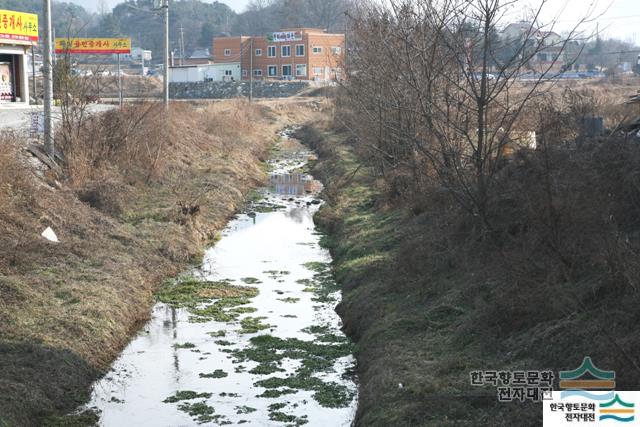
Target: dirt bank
{"type": "Point", "coordinates": [136, 202]}
{"type": "Point", "coordinates": [423, 318]}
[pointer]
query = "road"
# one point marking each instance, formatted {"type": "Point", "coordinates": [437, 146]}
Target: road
{"type": "Point", "coordinates": [17, 118]}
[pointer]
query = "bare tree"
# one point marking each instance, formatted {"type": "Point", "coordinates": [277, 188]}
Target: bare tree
{"type": "Point", "coordinates": [438, 95]}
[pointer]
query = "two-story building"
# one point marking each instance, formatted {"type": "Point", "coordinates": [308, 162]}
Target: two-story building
{"type": "Point", "coordinates": [296, 53]}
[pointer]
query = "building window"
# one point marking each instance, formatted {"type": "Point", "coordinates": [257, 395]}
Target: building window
{"type": "Point", "coordinates": [244, 73]}
{"type": "Point", "coordinates": [271, 51]}
{"type": "Point", "coordinates": [258, 52]}
{"type": "Point", "coordinates": [228, 72]}
{"type": "Point", "coordinates": [301, 70]}
{"type": "Point", "coordinates": [318, 70]}
{"type": "Point", "coordinates": [227, 52]}
{"type": "Point", "coordinates": [285, 51]}
{"type": "Point", "coordinates": [257, 73]}
{"type": "Point", "coordinates": [336, 50]}
{"type": "Point", "coordinates": [272, 70]}
{"type": "Point", "coordinates": [299, 50]}
{"type": "Point", "coordinates": [286, 70]}
{"type": "Point", "coordinates": [317, 49]}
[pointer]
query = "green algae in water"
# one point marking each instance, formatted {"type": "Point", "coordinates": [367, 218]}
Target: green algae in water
{"type": "Point", "coordinates": [218, 310]}
{"type": "Point", "coordinates": [251, 325]}
{"type": "Point", "coordinates": [287, 418]}
{"type": "Point", "coordinates": [243, 310]}
{"type": "Point", "coordinates": [274, 393]}
{"type": "Point", "coordinates": [327, 394]}
{"type": "Point", "coordinates": [266, 368]}
{"type": "Point", "coordinates": [274, 274]}
{"type": "Point", "coordinates": [184, 345]}
{"type": "Point", "coordinates": [245, 409]}
{"type": "Point", "coordinates": [186, 395]}
{"type": "Point", "coordinates": [277, 406]}
{"type": "Point", "coordinates": [202, 413]}
{"type": "Point", "coordinates": [317, 267]}
{"type": "Point", "coordinates": [225, 394]}
{"type": "Point", "coordinates": [322, 284]}
{"type": "Point", "coordinates": [191, 293]}
{"type": "Point", "coordinates": [316, 357]}
{"type": "Point", "coordinates": [218, 373]}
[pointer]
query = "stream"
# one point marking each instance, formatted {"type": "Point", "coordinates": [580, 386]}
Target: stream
{"type": "Point", "coordinates": [251, 336]}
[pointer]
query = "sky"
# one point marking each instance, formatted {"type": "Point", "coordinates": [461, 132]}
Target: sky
{"type": "Point", "coordinates": [92, 5]}
{"type": "Point", "coordinates": [616, 18]}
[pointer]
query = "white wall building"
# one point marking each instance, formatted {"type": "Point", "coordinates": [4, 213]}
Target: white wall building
{"type": "Point", "coordinates": [205, 72]}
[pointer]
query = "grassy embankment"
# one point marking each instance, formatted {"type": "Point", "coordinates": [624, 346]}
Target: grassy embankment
{"type": "Point", "coordinates": [423, 316]}
{"type": "Point", "coordinates": [140, 195]}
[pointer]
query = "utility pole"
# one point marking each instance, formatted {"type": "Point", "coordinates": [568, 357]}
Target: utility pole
{"type": "Point", "coordinates": [181, 45]}
{"type": "Point", "coordinates": [48, 81]}
{"type": "Point", "coordinates": [165, 6]}
{"type": "Point", "coordinates": [120, 82]}
{"type": "Point", "coordinates": [250, 70]}
{"type": "Point", "coordinates": [33, 77]}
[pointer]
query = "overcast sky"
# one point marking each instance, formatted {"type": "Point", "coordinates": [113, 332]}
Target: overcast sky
{"type": "Point", "coordinates": [620, 18]}
{"type": "Point", "coordinates": [92, 5]}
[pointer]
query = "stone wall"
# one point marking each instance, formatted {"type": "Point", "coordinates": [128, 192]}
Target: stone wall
{"type": "Point", "coordinates": [225, 90]}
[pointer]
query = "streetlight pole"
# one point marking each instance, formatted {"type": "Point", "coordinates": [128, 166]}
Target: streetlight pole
{"type": "Point", "coordinates": [48, 81]}
{"type": "Point", "coordinates": [251, 70]}
{"type": "Point", "coordinates": [33, 76]}
{"type": "Point", "coordinates": [165, 6]}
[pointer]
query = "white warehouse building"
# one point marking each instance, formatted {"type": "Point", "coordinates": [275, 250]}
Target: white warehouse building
{"type": "Point", "coordinates": [205, 72]}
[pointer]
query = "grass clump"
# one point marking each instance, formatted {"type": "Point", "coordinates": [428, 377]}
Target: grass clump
{"type": "Point", "coordinates": [251, 280]}
{"type": "Point", "coordinates": [289, 300]}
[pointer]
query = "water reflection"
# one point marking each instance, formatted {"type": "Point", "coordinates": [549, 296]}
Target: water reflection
{"type": "Point", "coordinates": [295, 184]}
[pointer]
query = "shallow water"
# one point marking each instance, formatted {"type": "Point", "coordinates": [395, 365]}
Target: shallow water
{"type": "Point", "coordinates": [272, 243]}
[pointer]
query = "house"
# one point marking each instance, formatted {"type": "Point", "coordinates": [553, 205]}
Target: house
{"type": "Point", "coordinates": [199, 57]}
{"type": "Point", "coordinates": [229, 71]}
{"type": "Point", "coordinates": [549, 45]}
{"type": "Point", "coordinates": [290, 54]}
{"type": "Point", "coordinates": [17, 34]}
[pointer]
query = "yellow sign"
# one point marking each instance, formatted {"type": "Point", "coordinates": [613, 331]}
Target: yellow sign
{"type": "Point", "coordinates": [18, 26]}
{"type": "Point", "coordinates": [99, 46]}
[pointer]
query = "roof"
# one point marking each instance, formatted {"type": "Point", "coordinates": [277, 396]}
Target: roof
{"type": "Point", "coordinates": [200, 54]}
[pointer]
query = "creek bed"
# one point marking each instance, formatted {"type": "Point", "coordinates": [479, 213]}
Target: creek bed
{"type": "Point", "coordinates": [249, 338]}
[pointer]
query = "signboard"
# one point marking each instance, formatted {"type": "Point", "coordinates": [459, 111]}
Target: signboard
{"type": "Point", "coordinates": [100, 46]}
{"type": "Point", "coordinates": [37, 123]}
{"type": "Point", "coordinates": [18, 26]}
{"type": "Point", "coordinates": [284, 36]}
